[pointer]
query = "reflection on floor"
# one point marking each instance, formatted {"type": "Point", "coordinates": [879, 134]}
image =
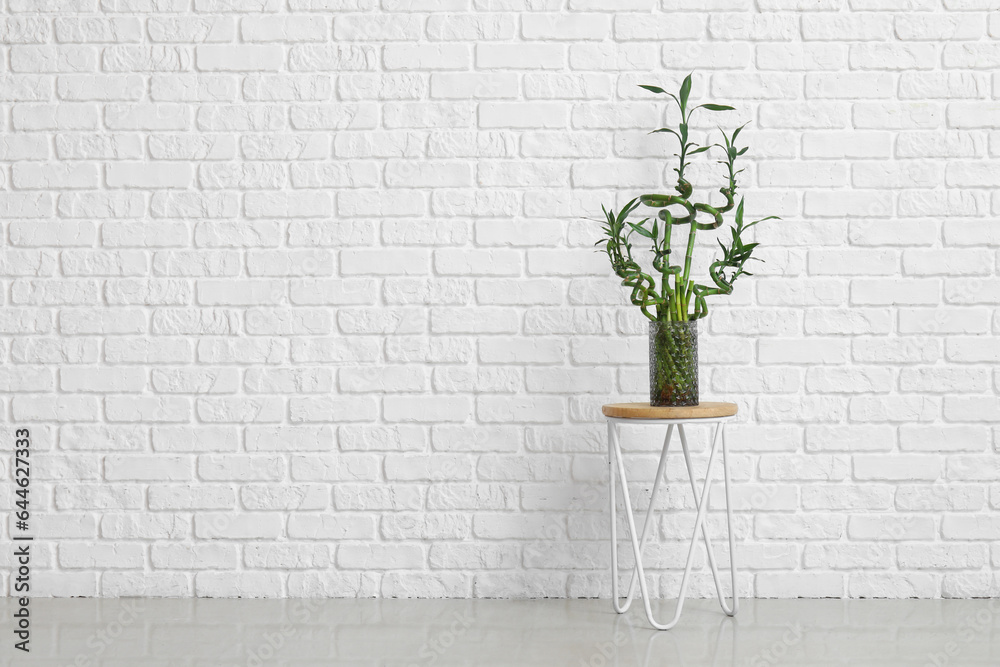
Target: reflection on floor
{"type": "Point", "coordinates": [579, 633]}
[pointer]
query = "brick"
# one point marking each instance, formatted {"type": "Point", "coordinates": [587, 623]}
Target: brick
{"type": "Point", "coordinates": [245, 176]}
{"type": "Point", "coordinates": [853, 262]}
{"type": "Point", "coordinates": [970, 408]}
{"type": "Point", "coordinates": [342, 409]}
{"type": "Point", "coordinates": [390, 556]}
{"type": "Point", "coordinates": [271, 146]}
{"type": "Point", "coordinates": [898, 116]}
{"type": "Point", "coordinates": [541, 410]}
{"type": "Point", "coordinates": [520, 56]}
{"type": "Point", "coordinates": [683, 55]}
{"type": "Point", "coordinates": [426, 409]}
{"type": "Point", "coordinates": [131, 175]}
{"type": "Point", "coordinates": [100, 88]}
{"type": "Point", "coordinates": [573, 27]}
{"type": "Point", "coordinates": [145, 116]}
{"type": "Point", "coordinates": [283, 29]}
{"type": "Point", "coordinates": [894, 409]}
{"type": "Point", "coordinates": [427, 57]}
{"type": "Point", "coordinates": [40, 176]}
{"type": "Point", "coordinates": [26, 30]}
{"type": "Point", "coordinates": [461, 27]}
{"type": "Point", "coordinates": [895, 292]}
{"type": "Point", "coordinates": [289, 438]}
{"type": "Point", "coordinates": [188, 439]}
{"type": "Point", "coordinates": [239, 58]}
{"type": "Point", "coordinates": [805, 57]}
{"type": "Point", "coordinates": [188, 556]}
{"type": "Point", "coordinates": [305, 381]}
{"type": "Point", "coordinates": [146, 59]}
{"type": "Point", "coordinates": [956, 380]}
{"type": "Point", "coordinates": [846, 27]}
{"type": "Point", "coordinates": [287, 87]}
{"type": "Point", "coordinates": [880, 585]}
{"type": "Point", "coordinates": [245, 118]}
{"type": "Point", "coordinates": [939, 497]}
{"type": "Point", "coordinates": [917, 203]}
{"type": "Point", "coordinates": [353, 467]}
{"type": "Point", "coordinates": [359, 116]}
{"type": "Point", "coordinates": [67, 116]}
{"type": "Point", "coordinates": [191, 321]}
{"type": "Point", "coordinates": [26, 147]}
{"type": "Point", "coordinates": [27, 88]}
{"type": "Point", "coordinates": [192, 88]}
{"type": "Point", "coordinates": [193, 204]}
{"type": "Point", "coordinates": [969, 527]}
{"type": "Point", "coordinates": [893, 56]}
{"type": "Point", "coordinates": [53, 58]}
{"type": "Point", "coordinates": [185, 29]}
{"type": "Point", "coordinates": [890, 528]}
{"type": "Point", "coordinates": [971, 55]}
{"type": "Point", "coordinates": [87, 497]}
{"type": "Point", "coordinates": [54, 408]}
{"type": "Point", "coordinates": [72, 147]}
{"type": "Point", "coordinates": [332, 58]}
{"type": "Point", "coordinates": [876, 233]}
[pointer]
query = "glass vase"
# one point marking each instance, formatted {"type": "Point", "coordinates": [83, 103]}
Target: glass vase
{"type": "Point", "coordinates": [673, 363]}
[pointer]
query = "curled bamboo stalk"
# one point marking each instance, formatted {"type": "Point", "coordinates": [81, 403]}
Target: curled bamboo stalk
{"type": "Point", "coordinates": [678, 298]}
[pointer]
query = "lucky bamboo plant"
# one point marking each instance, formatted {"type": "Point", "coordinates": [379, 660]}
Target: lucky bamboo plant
{"type": "Point", "coordinates": [677, 297]}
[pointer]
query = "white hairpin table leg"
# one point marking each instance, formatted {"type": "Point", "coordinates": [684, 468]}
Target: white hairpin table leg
{"type": "Point", "coordinates": [614, 454]}
{"type": "Point", "coordinates": [720, 431]}
{"type": "Point", "coordinates": [617, 464]}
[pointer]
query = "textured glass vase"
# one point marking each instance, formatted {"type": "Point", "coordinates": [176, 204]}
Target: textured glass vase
{"type": "Point", "coordinates": [673, 363]}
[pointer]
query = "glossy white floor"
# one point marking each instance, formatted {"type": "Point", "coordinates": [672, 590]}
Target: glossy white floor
{"type": "Point", "coordinates": [579, 633]}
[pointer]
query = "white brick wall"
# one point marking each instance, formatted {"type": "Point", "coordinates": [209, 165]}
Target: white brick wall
{"type": "Point", "coordinates": [299, 298]}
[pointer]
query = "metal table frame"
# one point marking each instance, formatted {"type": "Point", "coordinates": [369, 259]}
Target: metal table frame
{"type": "Point", "coordinates": [615, 460]}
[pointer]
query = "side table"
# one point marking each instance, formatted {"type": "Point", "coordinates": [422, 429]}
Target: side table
{"type": "Point", "coordinates": [643, 413]}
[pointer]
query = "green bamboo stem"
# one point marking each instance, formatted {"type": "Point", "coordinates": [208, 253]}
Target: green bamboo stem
{"type": "Point", "coordinates": [665, 273]}
{"type": "Point", "coordinates": [690, 253]}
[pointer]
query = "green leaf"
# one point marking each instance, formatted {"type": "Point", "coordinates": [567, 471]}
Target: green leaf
{"type": "Point", "coordinates": [641, 231]}
{"type": "Point", "coordinates": [666, 129]}
{"type": "Point", "coordinates": [685, 91]}
{"type": "Point", "coordinates": [628, 208]}
{"type": "Point", "coordinates": [770, 217]}
{"type": "Point", "coordinates": [717, 107]}
{"type": "Point", "coordinates": [744, 150]}
{"type": "Point", "coordinates": [700, 150]}
{"type": "Point", "coordinates": [737, 131]}
{"type": "Point", "coordinates": [654, 89]}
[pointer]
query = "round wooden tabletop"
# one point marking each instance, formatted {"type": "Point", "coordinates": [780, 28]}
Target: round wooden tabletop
{"type": "Point", "coordinates": [646, 411]}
